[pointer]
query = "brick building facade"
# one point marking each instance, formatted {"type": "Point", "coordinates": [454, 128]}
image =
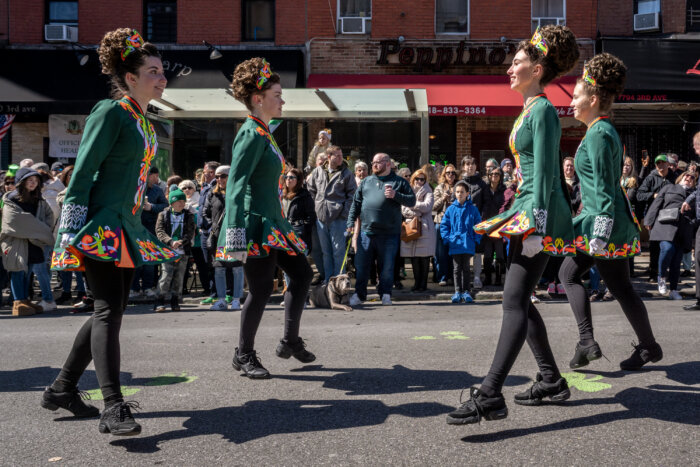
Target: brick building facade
{"type": "Point", "coordinates": [476, 40]}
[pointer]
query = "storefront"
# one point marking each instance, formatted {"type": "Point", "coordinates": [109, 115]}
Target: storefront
{"type": "Point", "coordinates": [660, 108]}
{"type": "Point", "coordinates": [471, 106]}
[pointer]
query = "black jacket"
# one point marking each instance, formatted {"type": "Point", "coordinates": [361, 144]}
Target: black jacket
{"type": "Point", "coordinates": [476, 191]}
{"type": "Point", "coordinates": [164, 229]}
{"type": "Point", "coordinates": [679, 232]}
{"type": "Point", "coordinates": [302, 215]}
{"type": "Point", "coordinates": [492, 201]}
{"type": "Point", "coordinates": [212, 216]}
{"type": "Point", "coordinates": [158, 202]}
{"type": "Point", "coordinates": [652, 184]}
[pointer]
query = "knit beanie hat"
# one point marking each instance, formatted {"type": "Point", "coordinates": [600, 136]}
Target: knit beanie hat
{"type": "Point", "coordinates": [222, 169]}
{"type": "Point", "coordinates": [506, 161]}
{"type": "Point", "coordinates": [176, 195]}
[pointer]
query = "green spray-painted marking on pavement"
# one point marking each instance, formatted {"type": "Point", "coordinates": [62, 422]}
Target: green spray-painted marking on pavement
{"type": "Point", "coordinates": [162, 380]}
{"type": "Point", "coordinates": [449, 335]}
{"type": "Point", "coordinates": [96, 394]}
{"type": "Point", "coordinates": [454, 335]}
{"type": "Point", "coordinates": [171, 378]}
{"type": "Point", "coordinates": [579, 381]}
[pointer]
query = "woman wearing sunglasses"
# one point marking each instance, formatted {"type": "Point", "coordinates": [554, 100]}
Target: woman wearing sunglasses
{"type": "Point", "coordinates": [443, 196]}
{"type": "Point", "coordinates": [423, 248]}
{"type": "Point", "coordinates": [607, 231]}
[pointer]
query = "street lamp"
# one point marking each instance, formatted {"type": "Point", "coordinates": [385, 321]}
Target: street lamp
{"type": "Point", "coordinates": [214, 53]}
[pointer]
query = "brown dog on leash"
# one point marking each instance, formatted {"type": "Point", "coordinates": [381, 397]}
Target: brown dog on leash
{"type": "Point", "coordinates": [332, 294]}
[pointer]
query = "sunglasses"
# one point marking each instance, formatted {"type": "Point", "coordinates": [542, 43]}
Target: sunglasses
{"type": "Point", "coordinates": [420, 179]}
{"type": "Point", "coordinates": [290, 177]}
{"type": "Point", "coordinates": [9, 182]}
{"type": "Point", "coordinates": [221, 176]}
{"type": "Point", "coordinates": [450, 172]}
{"type": "Point", "coordinates": [495, 175]}
{"type": "Point", "coordinates": [188, 188]}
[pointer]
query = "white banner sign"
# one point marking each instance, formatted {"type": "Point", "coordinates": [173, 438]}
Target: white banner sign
{"type": "Point", "coordinates": [65, 132]}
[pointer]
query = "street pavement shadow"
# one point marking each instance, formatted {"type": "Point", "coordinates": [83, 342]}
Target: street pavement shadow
{"type": "Point", "coordinates": [668, 403]}
{"type": "Point", "coordinates": [685, 373]}
{"type": "Point", "coordinates": [258, 419]}
{"type": "Point", "coordinates": [398, 379]}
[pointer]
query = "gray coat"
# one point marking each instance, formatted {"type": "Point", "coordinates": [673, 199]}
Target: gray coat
{"type": "Point", "coordinates": [19, 228]}
{"type": "Point", "coordinates": [679, 232]}
{"type": "Point", "coordinates": [332, 192]}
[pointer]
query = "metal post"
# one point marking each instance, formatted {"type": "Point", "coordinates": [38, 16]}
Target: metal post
{"type": "Point", "coordinates": [424, 139]}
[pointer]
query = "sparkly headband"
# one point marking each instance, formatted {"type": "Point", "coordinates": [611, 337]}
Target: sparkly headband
{"type": "Point", "coordinates": [588, 78]}
{"type": "Point", "coordinates": [265, 74]}
{"type": "Point", "coordinates": [132, 43]}
{"type": "Point", "coordinates": [539, 42]}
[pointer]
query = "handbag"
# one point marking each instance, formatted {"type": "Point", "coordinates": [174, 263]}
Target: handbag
{"type": "Point", "coordinates": [411, 230]}
{"type": "Point", "coordinates": [669, 215]}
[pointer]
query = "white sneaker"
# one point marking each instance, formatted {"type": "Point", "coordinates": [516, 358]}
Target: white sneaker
{"type": "Point", "coordinates": [355, 300]}
{"type": "Point", "coordinates": [477, 282]}
{"type": "Point", "coordinates": [134, 294]}
{"type": "Point", "coordinates": [219, 305]}
{"type": "Point", "coordinates": [235, 304]}
{"type": "Point", "coordinates": [386, 299]}
{"type": "Point", "coordinates": [674, 295]}
{"type": "Point", "coordinates": [151, 293]}
{"type": "Point", "coordinates": [534, 299]}
{"type": "Point", "coordinates": [48, 306]}
{"type": "Point", "coordinates": [663, 288]}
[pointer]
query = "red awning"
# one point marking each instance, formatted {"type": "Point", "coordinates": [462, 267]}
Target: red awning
{"type": "Point", "coordinates": [474, 95]}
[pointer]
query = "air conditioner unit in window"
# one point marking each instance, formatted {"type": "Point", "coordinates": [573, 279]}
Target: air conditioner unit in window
{"type": "Point", "coordinates": [354, 25]}
{"type": "Point", "coordinates": [60, 33]}
{"type": "Point", "coordinates": [646, 22]}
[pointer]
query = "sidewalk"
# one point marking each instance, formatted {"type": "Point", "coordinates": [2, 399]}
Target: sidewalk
{"type": "Point", "coordinates": [492, 293]}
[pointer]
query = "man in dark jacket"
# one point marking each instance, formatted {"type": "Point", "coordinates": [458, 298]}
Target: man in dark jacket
{"type": "Point", "coordinates": [175, 228]}
{"type": "Point", "coordinates": [377, 203]}
{"type": "Point", "coordinates": [332, 185]}
{"type": "Point", "coordinates": [693, 202]}
{"type": "Point", "coordinates": [145, 276]}
{"type": "Point", "coordinates": [477, 186]}
{"type": "Point", "coordinates": [208, 183]}
{"type": "Point", "coordinates": [646, 194]}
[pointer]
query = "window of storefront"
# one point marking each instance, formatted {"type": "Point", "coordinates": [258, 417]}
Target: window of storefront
{"type": "Point", "coordinates": [548, 12]}
{"type": "Point", "coordinates": [354, 16]}
{"type": "Point", "coordinates": [693, 16]}
{"type": "Point", "coordinates": [452, 16]}
{"type": "Point", "coordinates": [362, 140]}
{"type": "Point", "coordinates": [648, 6]}
{"type": "Point", "coordinates": [62, 12]}
{"type": "Point", "coordinates": [443, 141]}
{"type": "Point", "coordinates": [258, 20]}
{"type": "Point", "coordinates": [160, 21]}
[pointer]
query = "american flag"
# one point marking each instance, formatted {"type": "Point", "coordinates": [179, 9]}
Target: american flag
{"type": "Point", "coordinates": [5, 124]}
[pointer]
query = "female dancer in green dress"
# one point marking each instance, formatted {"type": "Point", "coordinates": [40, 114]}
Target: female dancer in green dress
{"type": "Point", "coordinates": [538, 225]}
{"type": "Point", "coordinates": [254, 228]}
{"type": "Point", "coordinates": [607, 231]}
{"type": "Point", "coordinates": [100, 228]}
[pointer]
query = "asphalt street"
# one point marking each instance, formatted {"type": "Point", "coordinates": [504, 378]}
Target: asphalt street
{"type": "Point", "coordinates": [378, 393]}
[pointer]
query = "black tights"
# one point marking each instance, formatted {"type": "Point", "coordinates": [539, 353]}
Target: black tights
{"type": "Point", "coordinates": [98, 338]}
{"type": "Point", "coordinates": [521, 321]}
{"type": "Point", "coordinates": [260, 273]}
{"type": "Point", "coordinates": [421, 266]}
{"type": "Point", "coordinates": [616, 275]}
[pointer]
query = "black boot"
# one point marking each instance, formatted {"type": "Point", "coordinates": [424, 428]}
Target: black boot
{"type": "Point", "coordinates": [117, 419]}
{"type": "Point", "coordinates": [71, 400]}
{"type": "Point", "coordinates": [65, 297]}
{"type": "Point", "coordinates": [298, 351]}
{"type": "Point", "coordinates": [250, 365]}
{"type": "Point", "coordinates": [174, 303]}
{"type": "Point", "coordinates": [479, 405]}
{"type": "Point", "coordinates": [557, 392]}
{"type": "Point", "coordinates": [488, 270]}
{"type": "Point", "coordinates": [642, 355]}
{"type": "Point", "coordinates": [584, 355]}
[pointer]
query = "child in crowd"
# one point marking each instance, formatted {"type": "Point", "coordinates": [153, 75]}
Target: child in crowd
{"type": "Point", "coordinates": [457, 232]}
{"type": "Point", "coordinates": [175, 228]}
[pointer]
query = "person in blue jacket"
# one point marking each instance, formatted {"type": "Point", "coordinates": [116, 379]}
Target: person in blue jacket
{"type": "Point", "coordinates": [457, 232]}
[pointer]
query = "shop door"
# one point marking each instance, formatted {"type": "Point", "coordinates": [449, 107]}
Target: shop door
{"type": "Point", "coordinates": [484, 143]}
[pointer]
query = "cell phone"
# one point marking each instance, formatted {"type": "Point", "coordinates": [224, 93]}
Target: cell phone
{"type": "Point", "coordinates": [645, 154]}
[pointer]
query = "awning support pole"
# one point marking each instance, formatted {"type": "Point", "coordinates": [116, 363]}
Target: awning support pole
{"type": "Point", "coordinates": [326, 100]}
{"type": "Point", "coordinates": [424, 139]}
{"type": "Point", "coordinates": [410, 100]}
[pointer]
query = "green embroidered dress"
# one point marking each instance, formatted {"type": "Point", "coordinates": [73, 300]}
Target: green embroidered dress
{"type": "Point", "coordinates": [105, 196]}
{"type": "Point", "coordinates": [540, 206]}
{"type": "Point", "coordinates": [607, 213]}
{"type": "Point", "coordinates": [254, 221]}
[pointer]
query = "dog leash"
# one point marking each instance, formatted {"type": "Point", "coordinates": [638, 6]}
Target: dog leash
{"type": "Point", "coordinates": [347, 250]}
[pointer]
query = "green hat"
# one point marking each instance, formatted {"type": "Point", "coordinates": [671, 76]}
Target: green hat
{"type": "Point", "coordinates": [12, 170]}
{"type": "Point", "coordinates": [176, 195]}
{"type": "Point", "coordinates": [661, 158]}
